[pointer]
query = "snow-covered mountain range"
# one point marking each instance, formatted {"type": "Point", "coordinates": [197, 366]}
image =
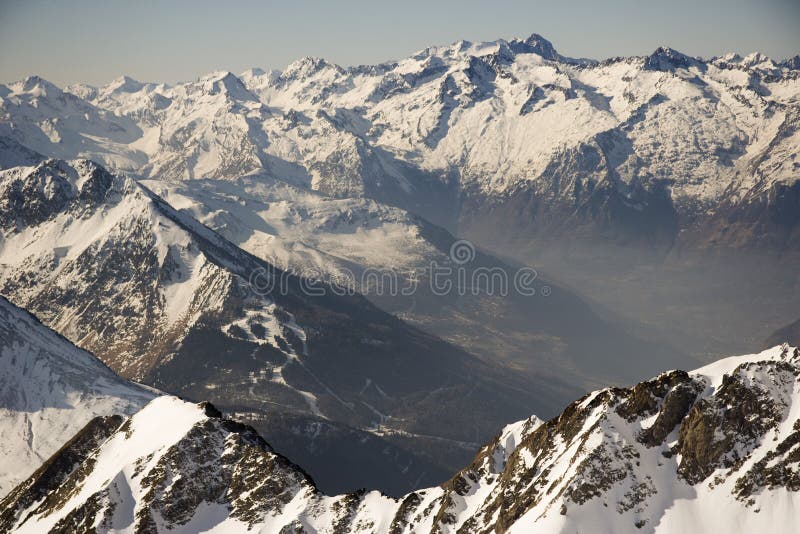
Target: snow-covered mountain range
{"type": "Point", "coordinates": [49, 389]}
{"type": "Point", "coordinates": [714, 449]}
{"type": "Point", "coordinates": [133, 217]}
{"type": "Point", "coordinates": [469, 135]}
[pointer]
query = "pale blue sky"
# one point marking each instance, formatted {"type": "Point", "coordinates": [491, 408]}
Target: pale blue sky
{"type": "Point", "coordinates": [97, 40]}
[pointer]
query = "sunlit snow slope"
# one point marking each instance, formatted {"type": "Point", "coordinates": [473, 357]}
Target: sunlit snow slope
{"type": "Point", "coordinates": [49, 389]}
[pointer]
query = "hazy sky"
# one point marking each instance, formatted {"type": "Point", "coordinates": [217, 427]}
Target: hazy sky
{"type": "Point", "coordinates": [97, 40]}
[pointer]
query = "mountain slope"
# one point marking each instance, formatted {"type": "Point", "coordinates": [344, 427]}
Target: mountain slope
{"type": "Point", "coordinates": [45, 119]}
{"type": "Point", "coordinates": [49, 389]}
{"type": "Point", "coordinates": [545, 330]}
{"type": "Point", "coordinates": [162, 299]}
{"type": "Point", "coordinates": [711, 449]}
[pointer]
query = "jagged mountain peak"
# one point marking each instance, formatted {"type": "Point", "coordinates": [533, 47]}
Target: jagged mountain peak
{"type": "Point", "coordinates": [227, 83]}
{"type": "Point", "coordinates": [180, 464]}
{"type": "Point", "coordinates": [755, 58]}
{"type": "Point", "coordinates": [755, 61]}
{"type": "Point", "coordinates": [36, 86]}
{"type": "Point", "coordinates": [537, 44]}
{"type": "Point", "coordinates": [258, 80]}
{"type": "Point", "coordinates": [761, 62]}
{"type": "Point", "coordinates": [534, 44]}
{"type": "Point", "coordinates": [307, 66]}
{"type": "Point", "coordinates": [666, 58]}
{"type": "Point", "coordinates": [223, 76]}
{"type": "Point", "coordinates": [460, 47]}
{"type": "Point", "coordinates": [124, 84]}
{"type": "Point", "coordinates": [252, 72]}
{"type": "Point", "coordinates": [792, 63]}
{"type": "Point", "coordinates": [82, 90]}
{"type": "Point", "coordinates": [459, 51]}
{"type": "Point", "coordinates": [729, 57]}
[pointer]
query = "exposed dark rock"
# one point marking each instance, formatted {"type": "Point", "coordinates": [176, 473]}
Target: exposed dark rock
{"type": "Point", "coordinates": [717, 428]}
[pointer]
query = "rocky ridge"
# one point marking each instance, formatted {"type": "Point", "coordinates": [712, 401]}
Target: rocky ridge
{"type": "Point", "coordinates": [713, 448]}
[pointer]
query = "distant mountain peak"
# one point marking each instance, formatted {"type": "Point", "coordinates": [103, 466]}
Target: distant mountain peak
{"type": "Point", "coordinates": [82, 90]}
{"type": "Point", "coordinates": [754, 60]}
{"type": "Point", "coordinates": [32, 81]}
{"type": "Point", "coordinates": [666, 58]}
{"type": "Point", "coordinates": [124, 84]}
{"type": "Point", "coordinates": [306, 66]}
{"type": "Point", "coordinates": [535, 44]}
{"type": "Point", "coordinates": [252, 72]}
{"type": "Point", "coordinates": [228, 83]}
{"type": "Point", "coordinates": [542, 46]}
{"type": "Point", "coordinates": [792, 63]}
{"type": "Point", "coordinates": [669, 53]}
{"type": "Point", "coordinates": [758, 59]}
{"type": "Point", "coordinates": [37, 86]}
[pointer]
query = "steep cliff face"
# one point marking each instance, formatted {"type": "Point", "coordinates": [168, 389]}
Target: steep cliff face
{"type": "Point", "coordinates": [714, 448]}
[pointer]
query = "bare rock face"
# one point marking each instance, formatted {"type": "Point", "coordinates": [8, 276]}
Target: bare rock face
{"type": "Point", "coordinates": [717, 446]}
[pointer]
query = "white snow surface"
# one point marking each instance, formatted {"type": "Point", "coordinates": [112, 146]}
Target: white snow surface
{"type": "Point", "coordinates": [49, 389]}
